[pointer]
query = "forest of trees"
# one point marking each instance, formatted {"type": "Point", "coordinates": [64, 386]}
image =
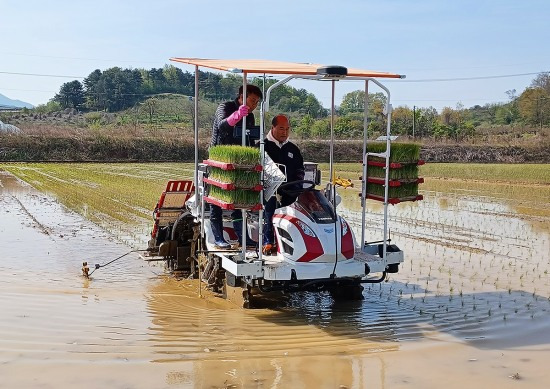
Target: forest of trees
{"type": "Point", "coordinates": [116, 89]}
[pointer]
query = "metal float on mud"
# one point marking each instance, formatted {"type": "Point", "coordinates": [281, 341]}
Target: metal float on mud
{"type": "Point", "coordinates": [316, 247]}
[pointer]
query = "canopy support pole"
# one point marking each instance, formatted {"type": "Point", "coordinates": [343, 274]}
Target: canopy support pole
{"type": "Point", "coordinates": [243, 211]}
{"type": "Point", "coordinates": [365, 176]}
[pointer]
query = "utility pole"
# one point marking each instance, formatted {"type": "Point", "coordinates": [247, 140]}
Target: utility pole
{"type": "Point", "coordinates": [539, 103]}
{"type": "Point", "coordinates": [414, 119]}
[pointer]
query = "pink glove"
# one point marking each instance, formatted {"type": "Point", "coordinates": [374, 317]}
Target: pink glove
{"type": "Point", "coordinates": [237, 115]}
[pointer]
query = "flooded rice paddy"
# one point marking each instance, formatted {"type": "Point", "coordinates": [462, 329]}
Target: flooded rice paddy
{"type": "Point", "coordinates": [469, 308]}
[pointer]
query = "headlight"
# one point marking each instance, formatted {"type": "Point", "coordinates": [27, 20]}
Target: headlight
{"type": "Point", "coordinates": [308, 231]}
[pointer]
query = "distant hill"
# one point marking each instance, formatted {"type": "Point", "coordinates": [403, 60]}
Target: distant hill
{"type": "Point", "coordinates": [6, 102]}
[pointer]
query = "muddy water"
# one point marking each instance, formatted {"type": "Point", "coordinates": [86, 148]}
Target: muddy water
{"type": "Point", "coordinates": [470, 307]}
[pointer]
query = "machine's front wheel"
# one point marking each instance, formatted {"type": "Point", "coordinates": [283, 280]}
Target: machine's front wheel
{"type": "Point", "coordinates": [239, 295]}
{"type": "Point", "coordinates": [348, 291]}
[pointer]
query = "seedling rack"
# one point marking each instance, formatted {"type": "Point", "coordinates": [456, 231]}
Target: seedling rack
{"type": "Point", "coordinates": [231, 187]}
{"type": "Point", "coordinates": [399, 189]}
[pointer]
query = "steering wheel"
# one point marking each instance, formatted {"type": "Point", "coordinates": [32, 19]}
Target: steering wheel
{"type": "Point", "coordinates": [296, 188]}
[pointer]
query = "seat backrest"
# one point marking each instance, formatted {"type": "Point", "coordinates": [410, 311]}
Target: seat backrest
{"type": "Point", "coordinates": [172, 201]}
{"type": "Point", "coordinates": [176, 194]}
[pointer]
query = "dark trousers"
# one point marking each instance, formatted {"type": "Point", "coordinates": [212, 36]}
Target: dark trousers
{"type": "Point", "coordinates": [216, 222]}
{"type": "Point", "coordinates": [269, 211]}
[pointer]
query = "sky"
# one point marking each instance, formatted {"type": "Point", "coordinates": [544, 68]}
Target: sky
{"type": "Point", "coordinates": [426, 40]}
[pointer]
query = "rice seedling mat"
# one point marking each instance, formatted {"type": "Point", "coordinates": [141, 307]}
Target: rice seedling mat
{"type": "Point", "coordinates": [233, 199]}
{"type": "Point", "coordinates": [232, 206]}
{"type": "Point", "coordinates": [234, 179]}
{"type": "Point", "coordinates": [231, 186]}
{"type": "Point", "coordinates": [395, 182]}
{"type": "Point", "coordinates": [406, 172]}
{"type": "Point", "coordinates": [399, 152]}
{"type": "Point", "coordinates": [396, 165]}
{"type": "Point", "coordinates": [395, 200]}
{"type": "Point", "coordinates": [232, 166]}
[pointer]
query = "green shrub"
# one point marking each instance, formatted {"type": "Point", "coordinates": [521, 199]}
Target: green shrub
{"type": "Point", "coordinates": [93, 117]}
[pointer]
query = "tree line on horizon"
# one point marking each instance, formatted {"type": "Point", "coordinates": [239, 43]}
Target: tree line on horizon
{"type": "Point", "coordinates": [118, 89]}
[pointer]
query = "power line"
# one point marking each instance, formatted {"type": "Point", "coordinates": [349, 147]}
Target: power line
{"type": "Point", "coordinates": [405, 70]}
{"type": "Point", "coordinates": [469, 78]}
{"type": "Point", "coordinates": [80, 58]}
{"type": "Point", "coordinates": [472, 99]}
{"type": "Point", "coordinates": [41, 75]}
{"type": "Point", "coordinates": [400, 81]}
{"type": "Point", "coordinates": [29, 90]}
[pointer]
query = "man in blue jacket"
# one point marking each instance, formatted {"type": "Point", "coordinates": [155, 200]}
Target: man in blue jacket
{"type": "Point", "coordinates": [286, 153]}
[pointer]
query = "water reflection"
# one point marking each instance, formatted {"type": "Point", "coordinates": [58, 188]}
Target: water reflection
{"type": "Point", "coordinates": [476, 274]}
{"type": "Point", "coordinates": [312, 342]}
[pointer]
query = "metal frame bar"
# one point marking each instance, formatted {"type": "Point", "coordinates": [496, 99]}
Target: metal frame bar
{"type": "Point", "coordinates": [365, 175]}
{"type": "Point", "coordinates": [385, 155]}
{"type": "Point", "coordinates": [196, 113]}
{"type": "Point", "coordinates": [268, 94]}
{"type": "Point", "coordinates": [199, 192]}
{"type": "Point", "coordinates": [262, 177]}
{"type": "Point", "coordinates": [243, 143]}
{"type": "Point", "coordinates": [331, 148]}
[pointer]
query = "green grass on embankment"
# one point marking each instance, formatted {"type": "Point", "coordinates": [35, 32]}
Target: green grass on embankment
{"type": "Point", "coordinates": [538, 174]}
{"type": "Point", "coordinates": [513, 173]}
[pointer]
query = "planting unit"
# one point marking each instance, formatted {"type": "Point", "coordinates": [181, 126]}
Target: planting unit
{"type": "Point", "coordinates": [316, 248]}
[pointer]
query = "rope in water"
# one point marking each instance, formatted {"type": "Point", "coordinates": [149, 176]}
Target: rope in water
{"type": "Point", "coordinates": [98, 266]}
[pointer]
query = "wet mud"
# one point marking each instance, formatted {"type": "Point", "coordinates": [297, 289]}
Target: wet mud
{"type": "Point", "coordinates": [469, 308]}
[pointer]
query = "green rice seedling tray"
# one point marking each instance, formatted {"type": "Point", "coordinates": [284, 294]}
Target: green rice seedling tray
{"type": "Point", "coordinates": [403, 190]}
{"type": "Point", "coordinates": [394, 183]}
{"type": "Point", "coordinates": [405, 172]}
{"type": "Point", "coordinates": [230, 186]}
{"type": "Point", "coordinates": [235, 154]}
{"type": "Point", "coordinates": [397, 172]}
{"type": "Point", "coordinates": [399, 152]}
{"type": "Point", "coordinates": [395, 200]}
{"type": "Point", "coordinates": [241, 179]}
{"type": "Point", "coordinates": [234, 199]}
{"type": "Point", "coordinates": [231, 206]}
{"type": "Point", "coordinates": [395, 165]}
{"type": "Point", "coordinates": [232, 166]}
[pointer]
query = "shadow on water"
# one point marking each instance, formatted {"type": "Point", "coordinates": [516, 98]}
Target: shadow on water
{"type": "Point", "coordinates": [185, 327]}
{"type": "Point", "coordinates": [395, 312]}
